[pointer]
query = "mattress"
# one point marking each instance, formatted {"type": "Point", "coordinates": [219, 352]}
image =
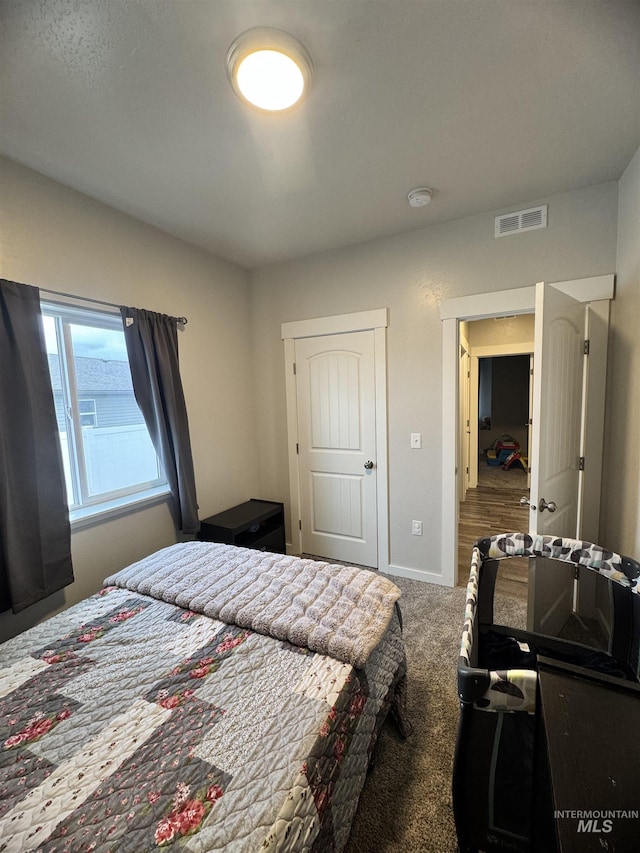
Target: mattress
{"type": "Point", "coordinates": [130, 722]}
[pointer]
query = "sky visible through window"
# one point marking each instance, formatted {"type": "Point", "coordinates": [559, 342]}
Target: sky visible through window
{"type": "Point", "coordinates": [111, 457]}
{"type": "Point", "coordinates": [89, 341]}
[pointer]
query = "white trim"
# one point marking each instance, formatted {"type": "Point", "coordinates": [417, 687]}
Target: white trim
{"type": "Point", "coordinates": [489, 351]}
{"type": "Point", "coordinates": [361, 321]}
{"type": "Point", "coordinates": [518, 301]}
{"type": "Point", "coordinates": [89, 515]}
{"type": "Point", "coordinates": [291, 391]}
{"type": "Point", "coordinates": [375, 320]}
{"type": "Point", "coordinates": [417, 574]}
{"type": "Point", "coordinates": [382, 448]}
{"type": "Point", "coordinates": [588, 289]}
{"type": "Point", "coordinates": [521, 300]}
{"type": "Point", "coordinates": [449, 561]}
{"type": "Point", "coordinates": [474, 439]}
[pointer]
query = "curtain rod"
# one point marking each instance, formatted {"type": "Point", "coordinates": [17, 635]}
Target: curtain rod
{"type": "Point", "coordinates": [182, 320]}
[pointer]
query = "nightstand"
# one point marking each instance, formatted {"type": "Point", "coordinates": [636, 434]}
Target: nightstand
{"type": "Point", "coordinates": [254, 524]}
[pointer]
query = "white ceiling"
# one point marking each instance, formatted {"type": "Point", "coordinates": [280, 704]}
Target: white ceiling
{"type": "Point", "coordinates": [493, 103]}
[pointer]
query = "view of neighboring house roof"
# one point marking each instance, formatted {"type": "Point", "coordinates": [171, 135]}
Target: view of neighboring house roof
{"type": "Point", "coordinates": [94, 374]}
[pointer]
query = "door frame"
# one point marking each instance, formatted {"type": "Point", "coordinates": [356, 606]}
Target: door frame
{"type": "Point", "coordinates": [375, 320]}
{"type": "Point", "coordinates": [492, 351]}
{"type": "Point", "coordinates": [479, 307]}
{"type": "Point", "coordinates": [464, 387]}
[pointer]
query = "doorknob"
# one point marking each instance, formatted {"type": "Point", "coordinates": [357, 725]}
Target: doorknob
{"type": "Point", "coordinates": [551, 506]}
{"type": "Point", "coordinates": [524, 501]}
{"type": "Point", "coordinates": [368, 465]}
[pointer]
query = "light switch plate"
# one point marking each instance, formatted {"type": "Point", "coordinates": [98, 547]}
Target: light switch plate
{"type": "Point", "coordinates": [416, 440]}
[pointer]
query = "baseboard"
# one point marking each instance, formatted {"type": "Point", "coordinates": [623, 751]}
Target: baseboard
{"type": "Point", "coordinates": [415, 574]}
{"type": "Point", "coordinates": [398, 571]}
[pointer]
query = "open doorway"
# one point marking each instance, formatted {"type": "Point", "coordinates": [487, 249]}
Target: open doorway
{"type": "Point", "coordinates": [496, 398]}
{"type": "Point", "coordinates": [455, 313]}
{"type": "Point", "coordinates": [504, 401]}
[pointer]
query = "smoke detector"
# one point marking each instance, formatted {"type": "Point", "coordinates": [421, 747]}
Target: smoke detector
{"type": "Point", "coordinates": [420, 197]}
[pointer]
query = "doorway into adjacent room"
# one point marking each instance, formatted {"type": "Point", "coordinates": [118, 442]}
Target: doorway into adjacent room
{"type": "Point", "coordinates": [569, 381]}
{"type": "Point", "coordinates": [501, 452]}
{"type": "Point", "coordinates": [496, 427]}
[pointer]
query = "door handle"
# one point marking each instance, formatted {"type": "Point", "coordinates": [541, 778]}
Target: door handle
{"type": "Point", "coordinates": [524, 501]}
{"type": "Point", "coordinates": [368, 465]}
{"type": "Point", "coordinates": [551, 506]}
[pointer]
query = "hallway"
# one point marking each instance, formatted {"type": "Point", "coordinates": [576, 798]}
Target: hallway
{"type": "Point", "coordinates": [494, 507]}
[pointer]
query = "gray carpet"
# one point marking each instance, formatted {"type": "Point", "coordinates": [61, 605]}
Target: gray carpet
{"type": "Point", "coordinates": [495, 477]}
{"type": "Point", "coordinates": [405, 806]}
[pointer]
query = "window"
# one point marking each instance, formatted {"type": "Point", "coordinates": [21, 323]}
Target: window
{"type": "Point", "coordinates": [87, 409]}
{"type": "Point", "coordinates": [109, 460]}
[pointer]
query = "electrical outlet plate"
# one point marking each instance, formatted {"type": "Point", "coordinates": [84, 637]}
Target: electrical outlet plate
{"type": "Point", "coordinates": [416, 528]}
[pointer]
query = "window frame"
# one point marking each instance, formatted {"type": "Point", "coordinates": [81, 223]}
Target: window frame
{"type": "Point", "coordinates": [86, 508]}
{"type": "Point", "coordinates": [92, 413]}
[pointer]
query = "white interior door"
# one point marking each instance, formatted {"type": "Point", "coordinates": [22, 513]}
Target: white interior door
{"type": "Point", "coordinates": [465, 434]}
{"type": "Point", "coordinates": [555, 451]}
{"type": "Point", "coordinates": [593, 412]}
{"type": "Point", "coordinates": [474, 444]}
{"type": "Point", "coordinates": [337, 446]}
{"type": "Point", "coordinates": [529, 431]}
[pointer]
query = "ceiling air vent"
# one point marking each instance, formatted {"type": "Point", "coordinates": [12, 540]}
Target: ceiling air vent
{"type": "Point", "coordinates": [521, 220]}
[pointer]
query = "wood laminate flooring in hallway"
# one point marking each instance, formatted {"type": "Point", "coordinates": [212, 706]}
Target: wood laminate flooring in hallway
{"type": "Point", "coordinates": [494, 507]}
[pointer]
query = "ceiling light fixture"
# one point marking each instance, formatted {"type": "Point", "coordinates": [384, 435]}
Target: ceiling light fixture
{"type": "Point", "coordinates": [269, 69]}
{"type": "Point", "coordinates": [420, 197]}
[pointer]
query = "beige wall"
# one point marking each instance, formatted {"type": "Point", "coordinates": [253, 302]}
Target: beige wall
{"type": "Point", "coordinates": [232, 355]}
{"type": "Point", "coordinates": [53, 237]}
{"type": "Point", "coordinates": [411, 274]}
{"type": "Point", "coordinates": [621, 474]}
{"type": "Point", "coordinates": [502, 332]}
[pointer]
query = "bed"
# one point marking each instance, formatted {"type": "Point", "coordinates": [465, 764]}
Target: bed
{"type": "Point", "coordinates": [209, 697]}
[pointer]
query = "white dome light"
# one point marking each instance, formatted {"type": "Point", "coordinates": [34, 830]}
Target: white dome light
{"type": "Point", "coordinates": [270, 80]}
{"type": "Point", "coordinates": [269, 69]}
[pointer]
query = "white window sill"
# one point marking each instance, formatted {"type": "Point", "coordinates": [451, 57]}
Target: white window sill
{"type": "Point", "coordinates": [96, 513]}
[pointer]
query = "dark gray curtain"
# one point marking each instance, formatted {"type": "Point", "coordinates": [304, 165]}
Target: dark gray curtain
{"type": "Point", "coordinates": [35, 536]}
{"type": "Point", "coordinates": [152, 346]}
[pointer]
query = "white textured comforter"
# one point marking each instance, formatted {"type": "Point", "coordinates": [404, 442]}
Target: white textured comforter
{"type": "Point", "coordinates": [338, 611]}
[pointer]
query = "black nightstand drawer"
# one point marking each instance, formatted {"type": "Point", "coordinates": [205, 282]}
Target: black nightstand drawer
{"type": "Point", "coordinates": [254, 524]}
{"type": "Point", "coordinates": [273, 540]}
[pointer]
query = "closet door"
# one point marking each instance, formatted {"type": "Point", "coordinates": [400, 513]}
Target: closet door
{"type": "Point", "coordinates": [337, 446]}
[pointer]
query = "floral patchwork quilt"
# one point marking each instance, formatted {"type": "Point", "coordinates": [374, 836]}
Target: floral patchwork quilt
{"type": "Point", "coordinates": [129, 724]}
